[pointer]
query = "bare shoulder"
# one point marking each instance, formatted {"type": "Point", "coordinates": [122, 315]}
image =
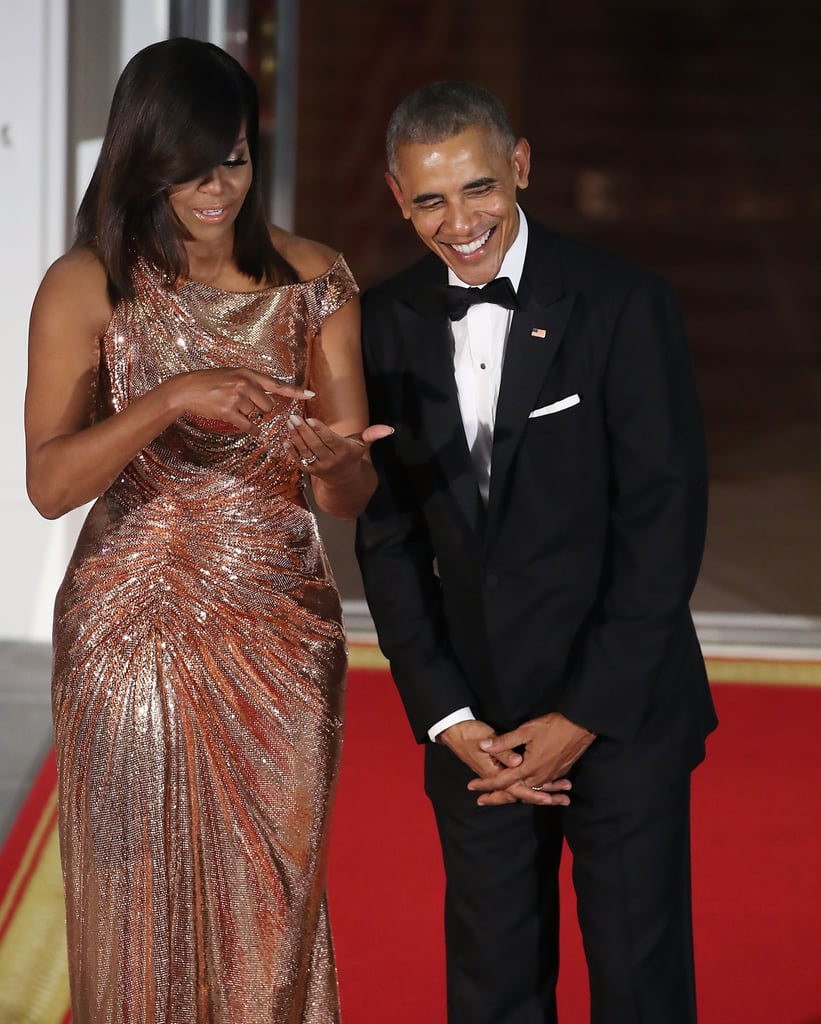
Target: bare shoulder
{"type": "Point", "coordinates": [75, 286]}
{"type": "Point", "coordinates": [78, 268]}
{"type": "Point", "coordinates": [309, 259]}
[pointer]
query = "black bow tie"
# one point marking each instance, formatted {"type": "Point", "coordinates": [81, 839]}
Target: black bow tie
{"type": "Point", "coordinates": [458, 300]}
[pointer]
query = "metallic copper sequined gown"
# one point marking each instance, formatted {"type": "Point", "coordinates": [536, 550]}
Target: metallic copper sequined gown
{"type": "Point", "coordinates": [199, 664]}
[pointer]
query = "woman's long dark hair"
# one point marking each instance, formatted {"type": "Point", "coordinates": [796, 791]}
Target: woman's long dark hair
{"type": "Point", "coordinates": [176, 114]}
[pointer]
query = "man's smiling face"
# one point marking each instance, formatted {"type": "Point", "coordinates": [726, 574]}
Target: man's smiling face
{"type": "Point", "coordinates": [460, 196]}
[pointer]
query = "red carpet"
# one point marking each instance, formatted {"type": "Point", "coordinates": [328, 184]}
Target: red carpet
{"type": "Point", "coordinates": [757, 860]}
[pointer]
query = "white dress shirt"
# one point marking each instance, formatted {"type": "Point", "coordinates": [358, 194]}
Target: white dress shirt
{"type": "Point", "coordinates": [479, 341]}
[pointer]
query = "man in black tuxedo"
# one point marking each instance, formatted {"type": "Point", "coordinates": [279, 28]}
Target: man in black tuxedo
{"type": "Point", "coordinates": [528, 559]}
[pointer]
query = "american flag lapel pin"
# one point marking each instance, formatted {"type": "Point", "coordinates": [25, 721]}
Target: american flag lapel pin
{"type": "Point", "coordinates": [538, 332]}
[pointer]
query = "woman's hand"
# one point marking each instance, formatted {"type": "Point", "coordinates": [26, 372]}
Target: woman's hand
{"type": "Point", "coordinates": [328, 456]}
{"type": "Point", "coordinates": [233, 399]}
{"type": "Point", "coordinates": [332, 444]}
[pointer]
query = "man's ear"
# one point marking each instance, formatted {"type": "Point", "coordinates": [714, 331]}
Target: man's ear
{"type": "Point", "coordinates": [521, 163]}
{"type": "Point", "coordinates": [396, 191]}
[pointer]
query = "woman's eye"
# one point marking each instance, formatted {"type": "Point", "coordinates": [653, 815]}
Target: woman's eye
{"type": "Point", "coordinates": [238, 161]}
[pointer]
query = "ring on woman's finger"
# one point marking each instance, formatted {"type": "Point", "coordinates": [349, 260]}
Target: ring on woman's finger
{"type": "Point", "coordinates": [306, 461]}
{"type": "Point", "coordinates": [537, 789]}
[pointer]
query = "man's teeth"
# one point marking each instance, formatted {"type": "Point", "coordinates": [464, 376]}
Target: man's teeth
{"type": "Point", "coordinates": [469, 247]}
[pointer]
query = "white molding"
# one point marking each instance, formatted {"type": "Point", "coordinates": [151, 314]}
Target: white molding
{"type": "Point", "coordinates": [761, 652]}
{"type": "Point", "coordinates": [54, 126]}
{"type": "Point", "coordinates": [722, 634]}
{"type": "Point", "coordinates": [757, 630]}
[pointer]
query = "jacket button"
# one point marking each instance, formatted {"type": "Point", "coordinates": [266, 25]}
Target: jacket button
{"type": "Point", "coordinates": [492, 580]}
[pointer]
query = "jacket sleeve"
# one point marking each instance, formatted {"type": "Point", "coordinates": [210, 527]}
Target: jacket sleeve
{"type": "Point", "coordinates": [395, 553]}
{"type": "Point", "coordinates": [657, 517]}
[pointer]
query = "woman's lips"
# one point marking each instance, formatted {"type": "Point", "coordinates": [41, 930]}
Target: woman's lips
{"type": "Point", "coordinates": [211, 215]}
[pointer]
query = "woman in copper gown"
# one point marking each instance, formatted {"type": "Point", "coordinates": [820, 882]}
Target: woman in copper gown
{"type": "Point", "coordinates": [189, 370]}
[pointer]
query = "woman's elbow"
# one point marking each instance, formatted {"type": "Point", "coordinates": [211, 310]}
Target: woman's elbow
{"type": "Point", "coordinates": [46, 499]}
{"type": "Point", "coordinates": [48, 510]}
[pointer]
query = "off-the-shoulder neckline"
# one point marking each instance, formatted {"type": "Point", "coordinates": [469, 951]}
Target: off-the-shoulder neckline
{"type": "Point", "coordinates": [193, 283]}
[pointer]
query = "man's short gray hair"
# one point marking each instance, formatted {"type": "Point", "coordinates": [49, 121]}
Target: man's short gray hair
{"type": "Point", "coordinates": [441, 110]}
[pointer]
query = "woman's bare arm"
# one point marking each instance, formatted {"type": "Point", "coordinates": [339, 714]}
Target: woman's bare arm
{"type": "Point", "coordinates": [336, 430]}
{"type": "Point", "coordinates": [70, 459]}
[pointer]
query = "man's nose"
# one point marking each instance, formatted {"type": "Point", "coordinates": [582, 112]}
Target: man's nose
{"type": "Point", "coordinates": [461, 220]}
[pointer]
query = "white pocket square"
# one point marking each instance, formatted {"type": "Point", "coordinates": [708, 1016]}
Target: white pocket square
{"type": "Point", "coordinates": [563, 403]}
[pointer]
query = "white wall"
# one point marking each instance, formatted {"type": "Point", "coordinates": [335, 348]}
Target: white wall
{"type": "Point", "coordinates": [33, 118]}
{"type": "Point", "coordinates": [32, 184]}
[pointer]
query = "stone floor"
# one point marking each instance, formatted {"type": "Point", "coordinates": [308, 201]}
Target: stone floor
{"type": "Point", "coordinates": [25, 721]}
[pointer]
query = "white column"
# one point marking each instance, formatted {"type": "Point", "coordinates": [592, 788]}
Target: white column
{"type": "Point", "coordinates": [142, 22]}
{"type": "Point", "coordinates": [32, 181]}
{"type": "Point", "coordinates": [33, 88]}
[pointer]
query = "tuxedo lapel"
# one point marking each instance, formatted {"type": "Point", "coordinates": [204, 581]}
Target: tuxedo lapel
{"type": "Point", "coordinates": [535, 335]}
{"type": "Point", "coordinates": [429, 352]}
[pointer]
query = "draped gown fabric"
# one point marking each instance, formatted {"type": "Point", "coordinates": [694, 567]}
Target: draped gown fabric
{"type": "Point", "coordinates": [198, 689]}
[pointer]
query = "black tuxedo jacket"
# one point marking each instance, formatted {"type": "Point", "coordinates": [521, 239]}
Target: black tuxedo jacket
{"type": "Point", "coordinates": [570, 591]}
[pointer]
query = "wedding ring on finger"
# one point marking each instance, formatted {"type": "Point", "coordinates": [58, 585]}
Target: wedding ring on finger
{"type": "Point", "coordinates": [307, 460]}
{"type": "Point", "coordinates": [536, 789]}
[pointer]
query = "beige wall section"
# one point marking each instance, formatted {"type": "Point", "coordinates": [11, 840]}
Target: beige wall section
{"type": "Point", "coordinates": [102, 37]}
{"type": "Point", "coordinates": [93, 66]}
{"type": "Point", "coordinates": [685, 136]}
{"type": "Point", "coordinates": [339, 543]}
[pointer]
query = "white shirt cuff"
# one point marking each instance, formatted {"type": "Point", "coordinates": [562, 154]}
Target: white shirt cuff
{"type": "Point", "coordinates": [462, 715]}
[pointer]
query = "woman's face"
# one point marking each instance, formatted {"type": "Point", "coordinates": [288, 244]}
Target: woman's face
{"type": "Point", "coordinates": [207, 207]}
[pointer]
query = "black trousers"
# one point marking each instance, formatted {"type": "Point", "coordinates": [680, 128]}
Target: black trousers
{"type": "Point", "coordinates": [631, 873]}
